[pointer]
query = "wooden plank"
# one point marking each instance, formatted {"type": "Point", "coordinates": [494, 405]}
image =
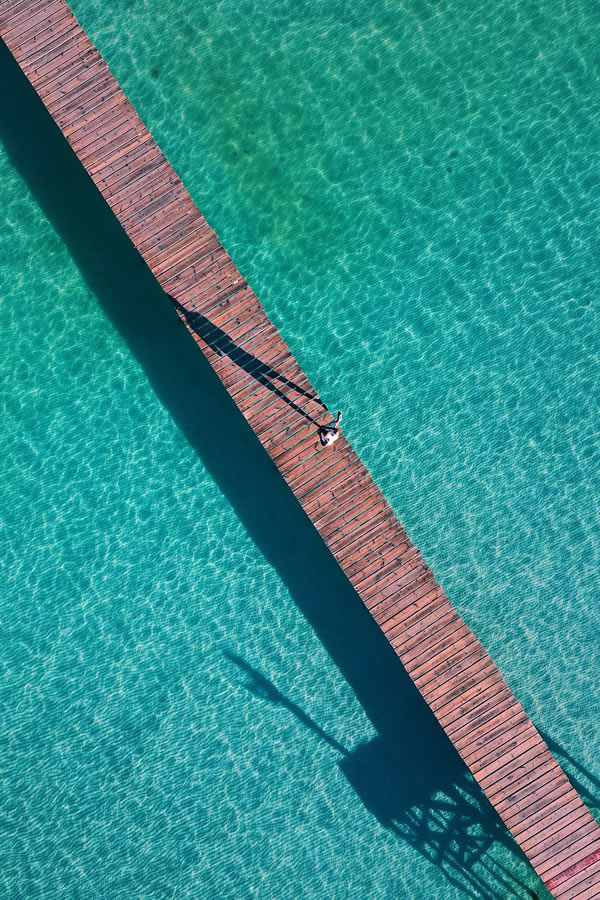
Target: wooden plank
{"type": "Point", "coordinates": [487, 733]}
{"type": "Point", "coordinates": [272, 416]}
{"type": "Point", "coordinates": [32, 48]}
{"type": "Point", "coordinates": [165, 196]}
{"type": "Point", "coordinates": [74, 85]}
{"type": "Point", "coordinates": [140, 188]}
{"type": "Point", "coordinates": [337, 492]}
{"type": "Point", "coordinates": [60, 81]}
{"type": "Point", "coordinates": [430, 650]}
{"type": "Point", "coordinates": [513, 802]}
{"type": "Point", "coordinates": [507, 749]}
{"type": "Point", "coordinates": [566, 824]}
{"type": "Point", "coordinates": [204, 295]}
{"type": "Point", "coordinates": [97, 168]}
{"type": "Point", "coordinates": [285, 456]}
{"type": "Point", "coordinates": [38, 17]}
{"type": "Point", "coordinates": [387, 604]}
{"type": "Point", "coordinates": [99, 108]}
{"type": "Point", "coordinates": [11, 13]}
{"type": "Point", "coordinates": [97, 151]}
{"type": "Point", "coordinates": [143, 173]}
{"type": "Point", "coordinates": [515, 784]}
{"type": "Point", "coordinates": [308, 470]}
{"type": "Point", "coordinates": [156, 239]}
{"type": "Point", "coordinates": [158, 218]}
{"type": "Point", "coordinates": [584, 886]}
{"type": "Point", "coordinates": [187, 269]}
{"type": "Point", "coordinates": [553, 861]}
{"type": "Point", "coordinates": [515, 757]}
{"type": "Point", "coordinates": [360, 498]}
{"type": "Point", "coordinates": [542, 846]}
{"type": "Point", "coordinates": [62, 106]}
{"type": "Point", "coordinates": [536, 806]}
{"type": "Point", "coordinates": [386, 564]}
{"type": "Point", "coordinates": [472, 699]}
{"type": "Point", "coordinates": [388, 584]}
{"type": "Point", "coordinates": [58, 65]}
{"type": "Point", "coordinates": [209, 285]}
{"type": "Point", "coordinates": [63, 35]}
{"type": "Point", "coordinates": [282, 420]}
{"type": "Point", "coordinates": [425, 614]}
{"type": "Point", "coordinates": [558, 811]}
{"type": "Point", "coordinates": [84, 119]}
{"type": "Point", "coordinates": [433, 665]}
{"type": "Point", "coordinates": [113, 122]}
{"type": "Point", "coordinates": [346, 523]}
{"type": "Point", "coordinates": [577, 857]}
{"type": "Point", "coordinates": [378, 519]}
{"type": "Point", "coordinates": [356, 545]}
{"type": "Point", "coordinates": [500, 780]}
{"type": "Point", "coordinates": [126, 172]}
{"type": "Point", "coordinates": [184, 253]}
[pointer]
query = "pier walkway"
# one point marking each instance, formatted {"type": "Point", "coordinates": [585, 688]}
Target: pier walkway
{"type": "Point", "coordinates": [451, 669]}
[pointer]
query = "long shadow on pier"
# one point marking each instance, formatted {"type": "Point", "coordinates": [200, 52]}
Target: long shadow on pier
{"type": "Point", "coordinates": [222, 344]}
{"type": "Point", "coordinates": [409, 777]}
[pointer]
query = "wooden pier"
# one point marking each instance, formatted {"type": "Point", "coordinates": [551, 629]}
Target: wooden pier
{"type": "Point", "coordinates": [451, 669]}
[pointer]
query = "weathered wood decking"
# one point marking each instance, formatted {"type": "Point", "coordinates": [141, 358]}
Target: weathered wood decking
{"type": "Point", "coordinates": [450, 667]}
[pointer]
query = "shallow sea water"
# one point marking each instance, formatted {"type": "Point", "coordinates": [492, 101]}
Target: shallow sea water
{"type": "Point", "coordinates": [414, 189]}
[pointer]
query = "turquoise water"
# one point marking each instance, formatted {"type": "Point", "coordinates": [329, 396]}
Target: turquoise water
{"type": "Point", "coordinates": [416, 189]}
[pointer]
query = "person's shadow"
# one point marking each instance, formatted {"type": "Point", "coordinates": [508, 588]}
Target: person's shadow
{"type": "Point", "coordinates": [409, 777]}
{"type": "Point", "coordinates": [222, 344]}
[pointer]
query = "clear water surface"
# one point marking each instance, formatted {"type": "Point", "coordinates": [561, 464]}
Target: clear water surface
{"type": "Point", "coordinates": [412, 188]}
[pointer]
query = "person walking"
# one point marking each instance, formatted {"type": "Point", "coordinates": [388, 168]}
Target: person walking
{"type": "Point", "coordinates": [328, 434]}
